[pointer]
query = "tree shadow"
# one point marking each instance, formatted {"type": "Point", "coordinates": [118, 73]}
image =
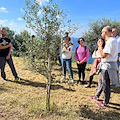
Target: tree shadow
{"type": "Point", "coordinates": [38, 84]}
{"type": "Point", "coordinates": [88, 69]}
{"type": "Point", "coordinates": [87, 113]}
{"type": "Point", "coordinates": [58, 69]}
{"type": "Point", "coordinates": [116, 106]}
{"type": "Point", "coordinates": [2, 89]}
{"type": "Point", "coordinates": [75, 70]}
{"type": "Point", "coordinates": [115, 89]}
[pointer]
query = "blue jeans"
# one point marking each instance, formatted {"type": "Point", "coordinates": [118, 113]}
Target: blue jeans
{"type": "Point", "coordinates": [69, 66]}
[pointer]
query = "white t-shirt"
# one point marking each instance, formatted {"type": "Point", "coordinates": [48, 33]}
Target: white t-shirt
{"type": "Point", "coordinates": [118, 39]}
{"type": "Point", "coordinates": [67, 54]}
{"type": "Point", "coordinates": [96, 54]}
{"type": "Point", "coordinates": [111, 47]}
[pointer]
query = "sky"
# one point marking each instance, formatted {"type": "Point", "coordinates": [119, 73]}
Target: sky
{"type": "Point", "coordinates": [80, 11]}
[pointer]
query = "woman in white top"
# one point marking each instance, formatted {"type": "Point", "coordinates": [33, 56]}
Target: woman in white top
{"type": "Point", "coordinates": [97, 60]}
{"type": "Point", "coordinates": [66, 59]}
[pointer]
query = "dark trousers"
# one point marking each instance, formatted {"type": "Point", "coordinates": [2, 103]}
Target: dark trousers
{"type": "Point", "coordinates": [59, 59]}
{"type": "Point", "coordinates": [104, 85]}
{"type": "Point", "coordinates": [91, 78]}
{"type": "Point", "coordinates": [10, 63]}
{"type": "Point", "coordinates": [81, 70]}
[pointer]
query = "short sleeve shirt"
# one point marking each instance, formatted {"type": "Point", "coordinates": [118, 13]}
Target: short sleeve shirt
{"type": "Point", "coordinates": [4, 42]}
{"type": "Point", "coordinates": [96, 54]}
{"type": "Point", "coordinates": [111, 48]}
{"type": "Point", "coordinates": [118, 39]}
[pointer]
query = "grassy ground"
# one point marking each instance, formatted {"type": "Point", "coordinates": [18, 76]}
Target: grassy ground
{"type": "Point", "coordinates": [26, 100]}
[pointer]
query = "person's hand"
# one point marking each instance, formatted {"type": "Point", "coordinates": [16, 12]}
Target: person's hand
{"type": "Point", "coordinates": [8, 57]}
{"type": "Point", "coordinates": [81, 62]}
{"type": "Point", "coordinates": [119, 59]}
{"type": "Point", "coordinates": [71, 43]}
{"type": "Point", "coordinates": [78, 62]}
{"type": "Point", "coordinates": [69, 49]}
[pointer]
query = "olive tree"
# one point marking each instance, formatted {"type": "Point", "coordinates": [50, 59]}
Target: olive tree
{"type": "Point", "coordinates": [20, 46]}
{"type": "Point", "coordinates": [47, 21]}
{"type": "Point", "coordinates": [94, 30]}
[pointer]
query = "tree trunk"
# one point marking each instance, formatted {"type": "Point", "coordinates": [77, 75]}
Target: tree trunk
{"type": "Point", "coordinates": [49, 83]}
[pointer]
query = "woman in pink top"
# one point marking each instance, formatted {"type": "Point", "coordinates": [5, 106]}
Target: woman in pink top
{"type": "Point", "coordinates": [81, 57]}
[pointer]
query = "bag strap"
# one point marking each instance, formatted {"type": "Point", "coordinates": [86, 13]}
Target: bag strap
{"type": "Point", "coordinates": [85, 50]}
{"type": "Point", "coordinates": [84, 46]}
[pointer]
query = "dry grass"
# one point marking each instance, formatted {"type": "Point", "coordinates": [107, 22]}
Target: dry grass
{"type": "Point", "coordinates": [26, 100]}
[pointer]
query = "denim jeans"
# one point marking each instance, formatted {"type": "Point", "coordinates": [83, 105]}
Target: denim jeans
{"type": "Point", "coordinates": [69, 66]}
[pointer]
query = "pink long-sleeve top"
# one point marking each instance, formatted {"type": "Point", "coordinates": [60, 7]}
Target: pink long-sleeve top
{"type": "Point", "coordinates": [81, 54]}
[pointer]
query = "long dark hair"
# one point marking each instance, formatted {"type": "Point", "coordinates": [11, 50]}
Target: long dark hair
{"type": "Point", "coordinates": [96, 48]}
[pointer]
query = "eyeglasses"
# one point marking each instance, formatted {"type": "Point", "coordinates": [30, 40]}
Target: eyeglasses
{"type": "Point", "coordinates": [81, 40]}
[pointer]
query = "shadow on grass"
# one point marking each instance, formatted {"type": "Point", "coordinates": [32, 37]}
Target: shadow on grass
{"type": "Point", "coordinates": [100, 114]}
{"type": "Point", "coordinates": [2, 89]}
{"type": "Point", "coordinates": [115, 89]}
{"type": "Point", "coordinates": [37, 84]}
{"type": "Point", "coordinates": [116, 106]}
{"type": "Point", "coordinates": [58, 69]}
{"type": "Point", "coordinates": [88, 69]}
{"type": "Point", "coordinates": [75, 70]}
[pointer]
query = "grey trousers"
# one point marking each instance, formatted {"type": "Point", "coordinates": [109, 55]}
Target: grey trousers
{"type": "Point", "coordinates": [10, 63]}
{"type": "Point", "coordinates": [104, 85]}
{"type": "Point", "coordinates": [118, 63]}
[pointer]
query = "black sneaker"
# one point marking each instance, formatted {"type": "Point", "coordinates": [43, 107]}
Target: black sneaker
{"type": "Point", "coordinates": [78, 82]}
{"type": "Point", "coordinates": [82, 82]}
{"type": "Point", "coordinates": [17, 79]}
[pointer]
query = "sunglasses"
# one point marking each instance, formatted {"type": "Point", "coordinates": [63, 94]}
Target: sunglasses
{"type": "Point", "coordinates": [81, 41]}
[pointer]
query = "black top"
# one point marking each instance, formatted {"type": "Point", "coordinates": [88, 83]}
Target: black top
{"type": "Point", "coordinates": [4, 42]}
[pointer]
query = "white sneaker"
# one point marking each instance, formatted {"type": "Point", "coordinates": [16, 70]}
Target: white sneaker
{"type": "Point", "coordinates": [72, 81]}
{"type": "Point", "coordinates": [4, 79]}
{"type": "Point", "coordinates": [63, 79]}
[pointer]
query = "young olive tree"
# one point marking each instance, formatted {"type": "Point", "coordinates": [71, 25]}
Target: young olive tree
{"type": "Point", "coordinates": [47, 21]}
{"type": "Point", "coordinates": [94, 31]}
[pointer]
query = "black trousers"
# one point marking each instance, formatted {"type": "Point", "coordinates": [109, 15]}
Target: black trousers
{"type": "Point", "coordinates": [91, 78]}
{"type": "Point", "coordinates": [11, 65]}
{"type": "Point", "coordinates": [81, 70]}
